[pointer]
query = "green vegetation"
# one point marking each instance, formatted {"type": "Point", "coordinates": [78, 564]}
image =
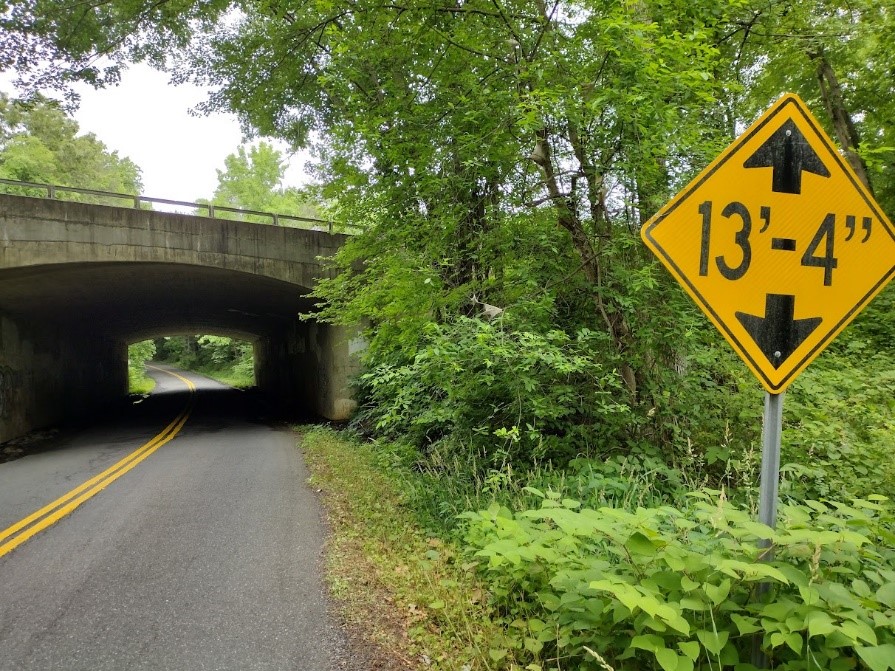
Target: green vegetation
{"type": "Point", "coordinates": [40, 143]}
{"type": "Point", "coordinates": [627, 560]}
{"type": "Point", "coordinates": [553, 406]}
{"type": "Point", "coordinates": [222, 358]}
{"type": "Point", "coordinates": [253, 180]}
{"type": "Point", "coordinates": [138, 354]}
{"type": "Point", "coordinates": [406, 589]}
{"type": "Point", "coordinates": [676, 588]}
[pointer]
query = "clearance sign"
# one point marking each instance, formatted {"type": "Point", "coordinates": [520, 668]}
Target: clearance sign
{"type": "Point", "coordinates": [778, 242]}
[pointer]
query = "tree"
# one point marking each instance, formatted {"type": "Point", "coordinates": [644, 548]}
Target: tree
{"type": "Point", "coordinates": [466, 139]}
{"type": "Point", "coordinates": [253, 180]}
{"type": "Point", "coordinates": [39, 143]}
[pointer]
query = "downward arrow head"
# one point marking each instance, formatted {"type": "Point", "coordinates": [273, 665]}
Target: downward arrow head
{"type": "Point", "coordinates": [777, 334]}
{"type": "Point", "coordinates": [789, 154]}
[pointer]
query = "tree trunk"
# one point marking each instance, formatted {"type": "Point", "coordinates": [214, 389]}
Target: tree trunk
{"type": "Point", "coordinates": [591, 261]}
{"type": "Point", "coordinates": [843, 126]}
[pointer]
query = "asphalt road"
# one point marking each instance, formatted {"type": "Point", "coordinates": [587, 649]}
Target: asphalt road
{"type": "Point", "coordinates": [204, 556]}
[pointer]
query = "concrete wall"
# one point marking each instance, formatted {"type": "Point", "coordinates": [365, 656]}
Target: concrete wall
{"type": "Point", "coordinates": [326, 358]}
{"type": "Point", "coordinates": [35, 231]}
{"type": "Point", "coordinates": [50, 373]}
{"type": "Point", "coordinates": [311, 365]}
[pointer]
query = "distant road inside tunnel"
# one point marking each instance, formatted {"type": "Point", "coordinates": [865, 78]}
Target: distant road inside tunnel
{"type": "Point", "coordinates": [194, 543]}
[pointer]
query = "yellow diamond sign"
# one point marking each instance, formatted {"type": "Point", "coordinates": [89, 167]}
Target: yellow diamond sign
{"type": "Point", "coordinates": [778, 242]}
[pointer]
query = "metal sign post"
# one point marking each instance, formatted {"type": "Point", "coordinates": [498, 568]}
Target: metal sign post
{"type": "Point", "coordinates": [772, 429]}
{"type": "Point", "coordinates": [770, 460]}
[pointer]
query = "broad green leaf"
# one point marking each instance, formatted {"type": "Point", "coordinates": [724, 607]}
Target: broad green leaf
{"type": "Point", "coordinates": [625, 593]}
{"type": "Point", "coordinates": [691, 649]}
{"type": "Point", "coordinates": [638, 544]}
{"type": "Point", "coordinates": [886, 594]}
{"type": "Point", "coordinates": [688, 585]}
{"type": "Point", "coordinates": [678, 623]}
{"type": "Point", "coordinates": [667, 658]}
{"type": "Point", "coordinates": [794, 641]}
{"type": "Point", "coordinates": [497, 654]}
{"type": "Point", "coordinates": [717, 593]}
{"type": "Point", "coordinates": [746, 625]}
{"type": "Point", "coordinates": [879, 657]}
{"type": "Point", "coordinates": [712, 641]}
{"type": "Point", "coordinates": [809, 595]}
{"type": "Point", "coordinates": [858, 631]}
{"type": "Point", "coordinates": [819, 623]}
{"type": "Point", "coordinates": [689, 603]}
{"type": "Point", "coordinates": [533, 645]}
{"type": "Point", "coordinates": [536, 625]}
{"type": "Point", "coordinates": [648, 642]}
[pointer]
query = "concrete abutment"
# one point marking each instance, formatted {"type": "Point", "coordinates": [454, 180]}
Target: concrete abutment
{"type": "Point", "coordinates": [311, 365]}
{"type": "Point", "coordinates": [53, 373]}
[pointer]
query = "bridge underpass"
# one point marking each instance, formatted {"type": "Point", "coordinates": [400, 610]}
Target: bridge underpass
{"type": "Point", "coordinates": [79, 282]}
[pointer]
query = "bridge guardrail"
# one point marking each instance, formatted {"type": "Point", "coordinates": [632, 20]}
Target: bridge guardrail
{"type": "Point", "coordinates": [53, 191]}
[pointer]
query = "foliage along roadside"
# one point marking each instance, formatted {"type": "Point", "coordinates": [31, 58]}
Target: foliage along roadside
{"type": "Point", "coordinates": [408, 591]}
{"type": "Point", "coordinates": [225, 359]}
{"type": "Point", "coordinates": [676, 589]}
{"type": "Point", "coordinates": [138, 354]}
{"type": "Point", "coordinates": [625, 586]}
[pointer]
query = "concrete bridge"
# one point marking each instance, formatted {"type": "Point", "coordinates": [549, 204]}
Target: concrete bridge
{"type": "Point", "coordinates": [79, 282]}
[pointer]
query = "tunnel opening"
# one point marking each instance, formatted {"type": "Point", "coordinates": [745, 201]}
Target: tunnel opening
{"type": "Point", "coordinates": [223, 357]}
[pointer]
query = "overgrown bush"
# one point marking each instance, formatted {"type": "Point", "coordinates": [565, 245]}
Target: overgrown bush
{"type": "Point", "coordinates": [839, 434]}
{"type": "Point", "coordinates": [544, 395]}
{"type": "Point", "coordinates": [677, 589]}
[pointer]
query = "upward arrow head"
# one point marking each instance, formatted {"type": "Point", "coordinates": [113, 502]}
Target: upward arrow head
{"type": "Point", "coordinates": [789, 154]}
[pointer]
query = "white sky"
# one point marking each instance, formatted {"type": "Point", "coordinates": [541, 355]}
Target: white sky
{"type": "Point", "coordinates": [147, 119]}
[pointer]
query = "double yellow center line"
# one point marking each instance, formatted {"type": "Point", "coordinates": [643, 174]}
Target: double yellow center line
{"type": "Point", "coordinates": [12, 537]}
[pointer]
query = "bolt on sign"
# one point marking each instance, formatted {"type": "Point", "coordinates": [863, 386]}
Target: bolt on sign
{"type": "Point", "coordinates": [778, 242]}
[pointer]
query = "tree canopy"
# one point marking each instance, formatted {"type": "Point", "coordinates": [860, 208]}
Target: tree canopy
{"type": "Point", "coordinates": [504, 153]}
{"type": "Point", "coordinates": [252, 179]}
{"type": "Point", "coordinates": [40, 143]}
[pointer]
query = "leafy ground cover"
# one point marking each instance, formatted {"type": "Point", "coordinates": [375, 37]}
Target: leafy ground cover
{"type": "Point", "coordinates": [631, 585]}
{"type": "Point", "coordinates": [677, 589]}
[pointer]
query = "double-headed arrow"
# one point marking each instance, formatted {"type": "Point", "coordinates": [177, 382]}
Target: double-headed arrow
{"type": "Point", "coordinates": [778, 334]}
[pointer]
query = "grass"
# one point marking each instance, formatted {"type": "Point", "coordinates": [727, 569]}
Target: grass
{"type": "Point", "coordinates": [410, 593]}
{"type": "Point", "coordinates": [227, 375]}
{"type": "Point", "coordinates": [138, 382]}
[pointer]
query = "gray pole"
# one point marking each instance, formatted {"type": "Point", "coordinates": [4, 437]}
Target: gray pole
{"type": "Point", "coordinates": [770, 459]}
{"type": "Point", "coordinates": [770, 481]}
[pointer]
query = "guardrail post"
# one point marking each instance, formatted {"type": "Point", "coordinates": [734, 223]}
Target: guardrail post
{"type": "Point", "coordinates": [211, 210]}
{"type": "Point", "coordinates": [51, 191]}
{"type": "Point", "coordinates": [276, 220]}
{"type": "Point", "coordinates": [137, 202]}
